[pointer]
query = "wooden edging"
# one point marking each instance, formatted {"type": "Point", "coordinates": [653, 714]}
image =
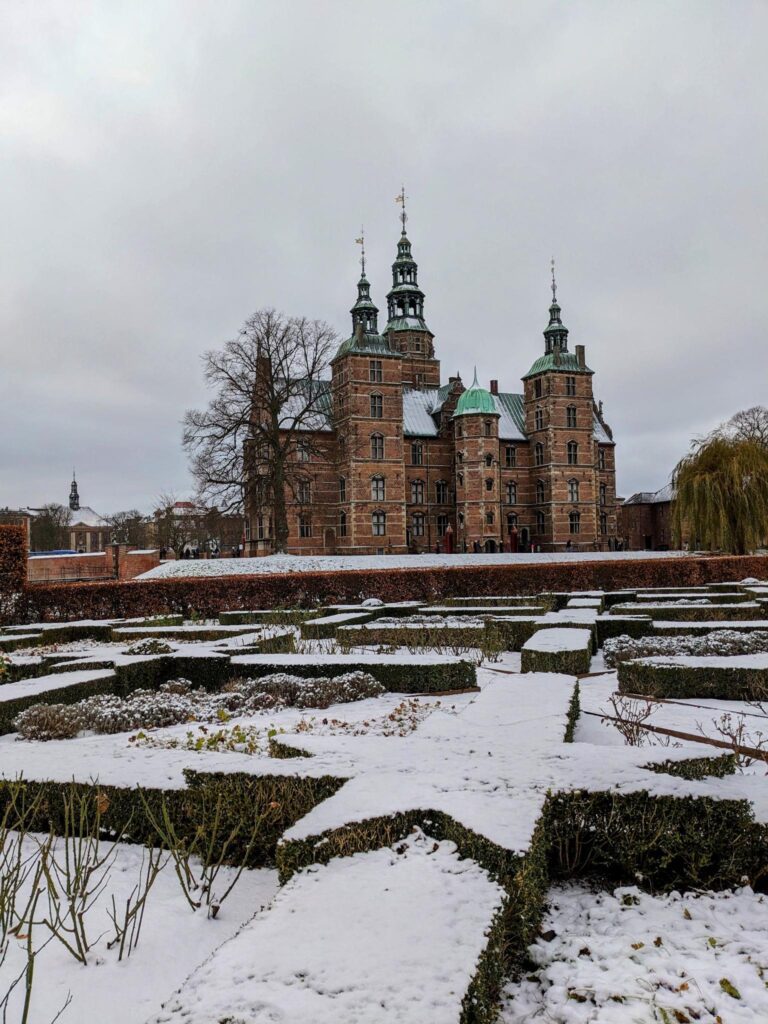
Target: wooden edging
{"type": "Point", "coordinates": [760, 755]}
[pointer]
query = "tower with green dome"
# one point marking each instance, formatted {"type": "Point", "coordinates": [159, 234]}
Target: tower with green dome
{"type": "Point", "coordinates": [476, 437]}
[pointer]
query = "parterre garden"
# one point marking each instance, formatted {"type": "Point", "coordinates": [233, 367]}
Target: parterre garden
{"type": "Point", "coordinates": [389, 811]}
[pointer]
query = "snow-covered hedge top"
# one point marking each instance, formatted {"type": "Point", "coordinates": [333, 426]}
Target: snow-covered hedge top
{"type": "Point", "coordinates": [584, 602]}
{"type": "Point", "coordinates": [337, 618]}
{"type": "Point", "coordinates": [715, 662]}
{"type": "Point", "coordinates": [559, 640]}
{"type": "Point", "coordinates": [345, 659]}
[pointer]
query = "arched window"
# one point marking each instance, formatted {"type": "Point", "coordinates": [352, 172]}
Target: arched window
{"type": "Point", "coordinates": [511, 493]}
{"type": "Point", "coordinates": [511, 521]}
{"type": "Point", "coordinates": [489, 483]}
{"type": "Point", "coordinates": [538, 420]}
{"type": "Point", "coordinates": [487, 428]}
{"type": "Point", "coordinates": [573, 490]}
{"type": "Point", "coordinates": [441, 492]}
{"type": "Point", "coordinates": [603, 494]}
{"type": "Point", "coordinates": [417, 453]}
{"type": "Point", "coordinates": [342, 488]}
{"type": "Point", "coordinates": [418, 525]}
{"type": "Point", "coordinates": [489, 459]}
{"type": "Point", "coordinates": [377, 446]}
{"type": "Point", "coordinates": [379, 524]}
{"type": "Point", "coordinates": [570, 417]}
{"type": "Point", "coordinates": [377, 406]}
{"type": "Point", "coordinates": [573, 453]}
{"type": "Point", "coordinates": [540, 492]}
{"type": "Point", "coordinates": [342, 524]}
{"type": "Point", "coordinates": [538, 454]}
{"type": "Point", "coordinates": [574, 522]}
{"type": "Point", "coordinates": [377, 488]}
{"type": "Point", "coordinates": [540, 523]}
{"type": "Point", "coordinates": [417, 492]}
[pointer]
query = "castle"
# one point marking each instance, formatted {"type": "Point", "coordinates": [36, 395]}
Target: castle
{"type": "Point", "coordinates": [415, 464]}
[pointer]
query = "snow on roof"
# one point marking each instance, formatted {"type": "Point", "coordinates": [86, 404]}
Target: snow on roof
{"type": "Point", "coordinates": [666, 493]}
{"type": "Point", "coordinates": [419, 407]}
{"type": "Point", "coordinates": [85, 516]}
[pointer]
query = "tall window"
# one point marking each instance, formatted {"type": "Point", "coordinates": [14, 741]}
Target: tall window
{"type": "Point", "coordinates": [538, 454]}
{"type": "Point", "coordinates": [570, 386]}
{"type": "Point", "coordinates": [459, 429]}
{"type": "Point", "coordinates": [603, 494]}
{"type": "Point", "coordinates": [342, 524]}
{"type": "Point", "coordinates": [489, 459]}
{"type": "Point", "coordinates": [379, 524]}
{"type": "Point", "coordinates": [441, 492]}
{"type": "Point", "coordinates": [305, 526]}
{"type": "Point", "coordinates": [377, 407]}
{"type": "Point", "coordinates": [342, 488]}
{"type": "Point", "coordinates": [418, 525]}
{"type": "Point", "coordinates": [540, 523]}
{"type": "Point", "coordinates": [603, 523]}
{"type": "Point", "coordinates": [570, 417]}
{"type": "Point", "coordinates": [377, 446]}
{"type": "Point", "coordinates": [539, 492]}
{"type": "Point", "coordinates": [442, 524]}
{"type": "Point", "coordinates": [489, 518]}
{"type": "Point", "coordinates": [489, 483]}
{"type": "Point", "coordinates": [510, 456]}
{"type": "Point", "coordinates": [417, 453]}
{"type": "Point", "coordinates": [601, 458]}
{"type": "Point", "coordinates": [573, 453]}
{"type": "Point", "coordinates": [417, 492]}
{"type": "Point", "coordinates": [574, 522]}
{"type": "Point", "coordinates": [511, 493]}
{"type": "Point", "coordinates": [377, 488]}
{"type": "Point", "coordinates": [573, 490]}
{"type": "Point", "coordinates": [303, 451]}
{"type": "Point", "coordinates": [487, 428]}
{"type": "Point", "coordinates": [537, 387]}
{"type": "Point", "coordinates": [538, 420]}
{"type": "Point", "coordinates": [305, 492]}
{"type": "Point", "coordinates": [460, 479]}
{"type": "Point", "coordinates": [511, 521]}
{"type": "Point", "coordinates": [374, 371]}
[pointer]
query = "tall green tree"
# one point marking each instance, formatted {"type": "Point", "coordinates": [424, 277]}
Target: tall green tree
{"type": "Point", "coordinates": [722, 494]}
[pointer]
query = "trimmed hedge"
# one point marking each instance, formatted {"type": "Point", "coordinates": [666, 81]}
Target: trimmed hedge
{"type": "Point", "coordinates": [274, 616]}
{"type": "Point", "coordinates": [418, 636]}
{"type": "Point", "coordinates": [397, 677]}
{"type": "Point", "coordinates": [609, 626]}
{"type": "Point", "coordinates": [326, 626]}
{"type": "Point", "coordinates": [65, 695]}
{"type": "Point", "coordinates": [570, 663]}
{"type": "Point", "coordinates": [684, 681]}
{"type": "Point", "coordinates": [692, 613]}
{"type": "Point", "coordinates": [206, 595]}
{"type": "Point", "coordinates": [694, 768]}
{"type": "Point", "coordinates": [13, 570]}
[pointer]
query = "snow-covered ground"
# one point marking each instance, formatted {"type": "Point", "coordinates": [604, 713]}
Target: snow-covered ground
{"type": "Point", "coordinates": [626, 957]}
{"type": "Point", "coordinates": [174, 939]}
{"type": "Point", "coordinates": [386, 937]}
{"type": "Point", "coordinates": [348, 563]}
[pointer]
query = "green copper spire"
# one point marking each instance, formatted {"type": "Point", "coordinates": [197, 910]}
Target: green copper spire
{"type": "Point", "coordinates": [476, 400]}
{"type": "Point", "coordinates": [364, 312]}
{"type": "Point", "coordinates": [556, 333]}
{"type": "Point", "coordinates": [405, 302]}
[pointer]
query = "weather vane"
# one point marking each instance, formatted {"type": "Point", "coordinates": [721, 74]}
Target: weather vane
{"type": "Point", "coordinates": [361, 242]}
{"type": "Point", "coordinates": [554, 283]}
{"type": "Point", "coordinates": [400, 198]}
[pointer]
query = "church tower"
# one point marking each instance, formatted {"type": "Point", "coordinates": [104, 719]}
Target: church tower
{"type": "Point", "coordinates": [74, 497]}
{"type": "Point", "coordinates": [559, 421]}
{"type": "Point", "coordinates": [406, 329]}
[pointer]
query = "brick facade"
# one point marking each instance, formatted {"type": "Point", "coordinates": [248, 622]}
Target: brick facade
{"type": "Point", "coordinates": [406, 463]}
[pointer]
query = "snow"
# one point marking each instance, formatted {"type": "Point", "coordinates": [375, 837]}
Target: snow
{"type": "Point", "coordinates": [50, 683]}
{"type": "Point", "coordinates": [623, 956]}
{"type": "Point", "coordinates": [713, 662]}
{"type": "Point", "coordinates": [559, 640]}
{"type": "Point", "coordinates": [351, 563]}
{"type": "Point", "coordinates": [173, 941]}
{"type": "Point", "coordinates": [285, 661]}
{"type": "Point", "coordinates": [376, 938]}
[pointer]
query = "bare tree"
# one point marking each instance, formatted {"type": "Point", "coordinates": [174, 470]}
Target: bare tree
{"type": "Point", "coordinates": [49, 530]}
{"type": "Point", "coordinates": [269, 402]}
{"type": "Point", "coordinates": [128, 528]}
{"type": "Point", "coordinates": [171, 528]}
{"type": "Point", "coordinates": [749, 425]}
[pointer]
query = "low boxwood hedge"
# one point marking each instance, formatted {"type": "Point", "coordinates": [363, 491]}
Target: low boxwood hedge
{"type": "Point", "coordinates": [609, 626]}
{"type": "Point", "coordinates": [688, 681]}
{"type": "Point", "coordinates": [412, 636]}
{"type": "Point", "coordinates": [570, 663]}
{"type": "Point", "coordinates": [692, 612]}
{"type": "Point", "coordinates": [398, 676]}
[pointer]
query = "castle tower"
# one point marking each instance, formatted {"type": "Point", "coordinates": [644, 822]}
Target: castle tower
{"type": "Point", "coordinates": [476, 434]}
{"type": "Point", "coordinates": [559, 420]}
{"type": "Point", "coordinates": [74, 497]}
{"type": "Point", "coordinates": [406, 329]}
{"type": "Point", "coordinates": [368, 416]}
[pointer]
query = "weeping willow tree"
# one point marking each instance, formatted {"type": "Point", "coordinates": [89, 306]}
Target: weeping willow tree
{"type": "Point", "coordinates": [722, 494]}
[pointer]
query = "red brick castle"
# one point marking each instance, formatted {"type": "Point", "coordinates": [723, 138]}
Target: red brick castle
{"type": "Point", "coordinates": [414, 463]}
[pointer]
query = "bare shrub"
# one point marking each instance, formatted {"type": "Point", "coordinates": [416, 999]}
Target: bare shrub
{"type": "Point", "coordinates": [721, 642]}
{"type": "Point", "coordinates": [48, 722]}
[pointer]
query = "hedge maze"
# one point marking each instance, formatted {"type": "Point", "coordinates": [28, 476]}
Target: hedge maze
{"type": "Point", "coordinates": [474, 737]}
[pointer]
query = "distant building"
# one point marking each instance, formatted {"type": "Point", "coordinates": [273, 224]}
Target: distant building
{"type": "Point", "coordinates": [645, 520]}
{"type": "Point", "coordinates": [86, 531]}
{"type": "Point", "coordinates": [417, 464]}
{"type": "Point", "coordinates": [17, 517]}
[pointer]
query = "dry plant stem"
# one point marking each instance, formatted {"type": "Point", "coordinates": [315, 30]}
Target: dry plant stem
{"type": "Point", "coordinates": [128, 926]}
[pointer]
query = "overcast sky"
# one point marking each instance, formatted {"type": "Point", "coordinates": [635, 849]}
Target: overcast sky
{"type": "Point", "coordinates": [166, 168]}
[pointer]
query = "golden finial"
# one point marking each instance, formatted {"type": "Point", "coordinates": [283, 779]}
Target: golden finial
{"type": "Point", "coordinates": [400, 198]}
{"type": "Point", "coordinates": [361, 242]}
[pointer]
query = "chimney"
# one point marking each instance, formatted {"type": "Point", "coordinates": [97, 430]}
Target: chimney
{"type": "Point", "coordinates": [580, 356]}
{"type": "Point", "coordinates": [494, 387]}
